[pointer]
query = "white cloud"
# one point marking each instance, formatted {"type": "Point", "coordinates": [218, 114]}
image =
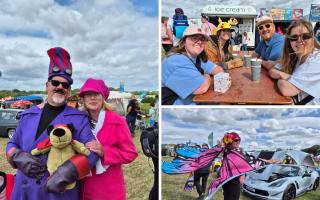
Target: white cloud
{"type": "Point", "coordinates": [259, 129]}
{"type": "Point", "coordinates": [108, 40]}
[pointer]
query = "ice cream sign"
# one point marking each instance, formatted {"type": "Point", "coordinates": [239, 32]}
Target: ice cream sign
{"type": "Point", "coordinates": [229, 10]}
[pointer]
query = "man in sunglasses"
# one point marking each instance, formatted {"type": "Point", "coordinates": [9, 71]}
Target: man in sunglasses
{"type": "Point", "coordinates": [32, 179]}
{"type": "Point", "coordinates": [270, 46]}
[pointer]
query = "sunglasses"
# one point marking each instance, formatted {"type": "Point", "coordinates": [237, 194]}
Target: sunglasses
{"type": "Point", "coordinates": [303, 36]}
{"type": "Point", "coordinates": [237, 140]}
{"type": "Point", "coordinates": [263, 26]}
{"type": "Point", "coordinates": [196, 39]}
{"type": "Point", "coordinates": [56, 69]}
{"type": "Point", "coordinates": [56, 83]}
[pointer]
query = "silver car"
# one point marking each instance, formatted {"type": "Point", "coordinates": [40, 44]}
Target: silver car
{"type": "Point", "coordinates": [8, 121]}
{"type": "Point", "coordinates": [280, 181]}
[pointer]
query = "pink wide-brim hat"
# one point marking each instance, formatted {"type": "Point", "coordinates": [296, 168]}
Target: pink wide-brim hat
{"type": "Point", "coordinates": [94, 85]}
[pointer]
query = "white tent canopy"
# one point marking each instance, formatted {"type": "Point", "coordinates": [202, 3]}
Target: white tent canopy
{"type": "Point", "coordinates": [119, 95]}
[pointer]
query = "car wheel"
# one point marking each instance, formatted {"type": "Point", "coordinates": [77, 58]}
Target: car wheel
{"type": "Point", "coordinates": [11, 132]}
{"type": "Point", "coordinates": [315, 184]}
{"type": "Point", "coordinates": [289, 193]}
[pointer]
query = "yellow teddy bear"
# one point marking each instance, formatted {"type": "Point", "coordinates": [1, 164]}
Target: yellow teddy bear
{"type": "Point", "coordinates": [60, 146]}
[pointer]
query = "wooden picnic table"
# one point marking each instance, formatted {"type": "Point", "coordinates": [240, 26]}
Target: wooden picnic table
{"type": "Point", "coordinates": [244, 91]}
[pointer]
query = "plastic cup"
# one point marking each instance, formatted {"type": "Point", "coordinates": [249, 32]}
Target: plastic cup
{"type": "Point", "coordinates": [255, 69]}
{"type": "Point", "coordinates": [247, 60]}
{"type": "Point", "coordinates": [235, 55]}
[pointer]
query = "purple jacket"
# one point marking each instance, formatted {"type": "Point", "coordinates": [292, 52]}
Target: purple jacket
{"type": "Point", "coordinates": [24, 139]}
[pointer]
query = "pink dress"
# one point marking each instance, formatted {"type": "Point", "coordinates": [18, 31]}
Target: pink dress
{"type": "Point", "coordinates": [118, 149]}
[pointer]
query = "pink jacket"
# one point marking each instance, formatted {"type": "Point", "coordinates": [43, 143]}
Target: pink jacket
{"type": "Point", "coordinates": [118, 149]}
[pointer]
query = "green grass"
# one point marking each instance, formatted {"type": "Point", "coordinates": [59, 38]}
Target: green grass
{"type": "Point", "coordinates": [138, 174]}
{"type": "Point", "coordinates": [144, 107]}
{"type": "Point", "coordinates": [172, 188]}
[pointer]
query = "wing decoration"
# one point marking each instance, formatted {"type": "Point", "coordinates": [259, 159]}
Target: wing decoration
{"type": "Point", "coordinates": [234, 164]}
{"type": "Point", "coordinates": [181, 165]}
{"type": "Point", "coordinates": [189, 152]}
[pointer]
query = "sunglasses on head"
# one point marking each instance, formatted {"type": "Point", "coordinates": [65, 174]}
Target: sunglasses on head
{"type": "Point", "coordinates": [56, 83]}
{"type": "Point", "coordinates": [261, 27]}
{"type": "Point", "coordinates": [56, 69]}
{"type": "Point", "coordinates": [303, 36]}
{"type": "Point", "coordinates": [197, 38]}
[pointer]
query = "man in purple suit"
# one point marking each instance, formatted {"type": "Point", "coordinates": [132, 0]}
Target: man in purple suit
{"type": "Point", "coordinates": [33, 181]}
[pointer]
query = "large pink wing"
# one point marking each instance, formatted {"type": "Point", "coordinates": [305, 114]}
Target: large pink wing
{"type": "Point", "coordinates": [234, 163]}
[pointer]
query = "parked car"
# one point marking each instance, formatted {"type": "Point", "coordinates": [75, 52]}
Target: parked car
{"type": "Point", "coordinates": [8, 121]}
{"type": "Point", "coordinates": [280, 181]}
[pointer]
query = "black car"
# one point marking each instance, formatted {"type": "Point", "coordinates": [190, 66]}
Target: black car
{"type": "Point", "coordinates": [8, 121]}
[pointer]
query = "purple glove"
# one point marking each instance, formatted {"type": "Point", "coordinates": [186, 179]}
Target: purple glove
{"type": "Point", "coordinates": [30, 165]}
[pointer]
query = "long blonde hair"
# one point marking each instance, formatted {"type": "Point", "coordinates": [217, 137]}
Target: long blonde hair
{"type": "Point", "coordinates": [289, 59]}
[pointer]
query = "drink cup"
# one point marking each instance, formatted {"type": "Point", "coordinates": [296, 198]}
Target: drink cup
{"type": "Point", "coordinates": [247, 60]}
{"type": "Point", "coordinates": [235, 55]}
{"type": "Point", "coordinates": [255, 69]}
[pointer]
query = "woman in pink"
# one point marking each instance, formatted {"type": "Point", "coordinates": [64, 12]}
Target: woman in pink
{"type": "Point", "coordinates": [114, 144]}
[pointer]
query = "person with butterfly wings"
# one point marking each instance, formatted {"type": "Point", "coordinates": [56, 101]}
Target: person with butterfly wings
{"type": "Point", "coordinates": [234, 164]}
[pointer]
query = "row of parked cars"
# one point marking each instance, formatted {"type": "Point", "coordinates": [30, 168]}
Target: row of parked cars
{"type": "Point", "coordinates": [8, 121]}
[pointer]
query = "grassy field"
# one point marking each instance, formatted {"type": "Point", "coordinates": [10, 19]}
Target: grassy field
{"type": "Point", "coordinates": [138, 175]}
{"type": "Point", "coordinates": [172, 188]}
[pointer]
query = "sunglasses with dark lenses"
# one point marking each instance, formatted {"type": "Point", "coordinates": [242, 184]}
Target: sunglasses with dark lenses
{"type": "Point", "coordinates": [237, 140]}
{"type": "Point", "coordinates": [264, 26]}
{"type": "Point", "coordinates": [198, 38]}
{"type": "Point", "coordinates": [303, 36]}
{"type": "Point", "coordinates": [56, 69]}
{"type": "Point", "coordinates": [56, 83]}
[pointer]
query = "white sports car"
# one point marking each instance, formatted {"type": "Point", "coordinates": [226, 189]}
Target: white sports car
{"type": "Point", "coordinates": [280, 182]}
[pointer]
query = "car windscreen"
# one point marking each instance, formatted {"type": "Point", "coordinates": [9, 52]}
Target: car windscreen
{"type": "Point", "coordinates": [285, 171]}
{"type": "Point", "coordinates": [7, 115]}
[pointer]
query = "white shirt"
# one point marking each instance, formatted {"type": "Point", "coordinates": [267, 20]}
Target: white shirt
{"type": "Point", "coordinates": [306, 77]}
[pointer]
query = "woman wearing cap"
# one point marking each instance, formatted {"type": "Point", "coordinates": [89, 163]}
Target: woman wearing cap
{"type": "Point", "coordinates": [220, 48]}
{"type": "Point", "coordinates": [186, 71]}
{"type": "Point", "coordinates": [299, 76]}
{"type": "Point", "coordinates": [113, 145]}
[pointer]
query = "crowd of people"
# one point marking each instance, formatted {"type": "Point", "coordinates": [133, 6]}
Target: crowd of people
{"type": "Point", "coordinates": [103, 132]}
{"type": "Point", "coordinates": [291, 58]}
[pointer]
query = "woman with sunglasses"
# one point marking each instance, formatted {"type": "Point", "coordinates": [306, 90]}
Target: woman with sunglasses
{"type": "Point", "coordinates": [186, 70]}
{"type": "Point", "coordinates": [299, 76]}
{"type": "Point", "coordinates": [113, 144]}
{"type": "Point", "coordinates": [220, 48]}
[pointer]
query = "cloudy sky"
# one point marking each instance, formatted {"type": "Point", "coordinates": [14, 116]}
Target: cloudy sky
{"type": "Point", "coordinates": [107, 39]}
{"type": "Point", "coordinates": [193, 8]}
{"type": "Point", "coordinates": [261, 128]}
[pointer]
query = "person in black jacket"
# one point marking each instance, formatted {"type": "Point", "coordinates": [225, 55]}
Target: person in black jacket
{"type": "Point", "coordinates": [204, 174]}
